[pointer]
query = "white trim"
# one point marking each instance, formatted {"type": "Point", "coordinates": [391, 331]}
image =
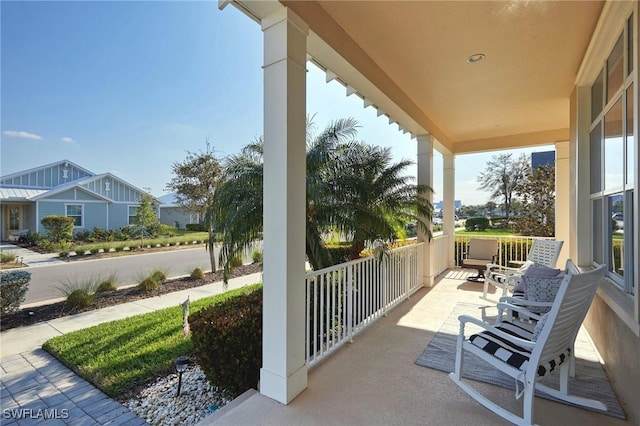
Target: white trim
{"type": "Point", "coordinates": [66, 213]}
{"type": "Point", "coordinates": [129, 214]}
{"type": "Point", "coordinates": [72, 201]}
{"type": "Point", "coordinates": [614, 15]}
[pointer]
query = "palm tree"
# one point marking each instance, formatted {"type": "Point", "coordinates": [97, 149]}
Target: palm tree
{"type": "Point", "coordinates": [375, 198]}
{"type": "Point", "coordinates": [237, 207]}
{"type": "Point", "coordinates": [352, 188]}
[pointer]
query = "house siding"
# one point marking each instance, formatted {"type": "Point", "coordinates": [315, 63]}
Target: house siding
{"type": "Point", "coordinates": [619, 347]}
{"type": "Point", "coordinates": [171, 215]}
{"type": "Point", "coordinates": [29, 217]}
{"type": "Point", "coordinates": [118, 191]}
{"type": "Point", "coordinates": [118, 215]}
{"type": "Point", "coordinates": [95, 214]}
{"type": "Point", "coordinates": [48, 208]}
{"type": "Point", "coordinates": [46, 177]}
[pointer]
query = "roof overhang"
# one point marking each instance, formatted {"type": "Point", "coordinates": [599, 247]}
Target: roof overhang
{"type": "Point", "coordinates": [409, 59]}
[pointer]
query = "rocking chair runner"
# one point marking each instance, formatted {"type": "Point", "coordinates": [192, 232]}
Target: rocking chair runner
{"type": "Point", "coordinates": [526, 356]}
{"type": "Point", "coordinates": [542, 252]}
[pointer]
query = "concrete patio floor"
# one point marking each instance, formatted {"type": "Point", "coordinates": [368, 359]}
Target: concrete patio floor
{"type": "Point", "coordinates": [375, 381]}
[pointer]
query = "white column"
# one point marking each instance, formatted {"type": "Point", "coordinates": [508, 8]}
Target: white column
{"type": "Point", "coordinates": [563, 200]}
{"type": "Point", "coordinates": [449, 206]}
{"type": "Point", "coordinates": [284, 373]}
{"type": "Point", "coordinates": [425, 177]}
{"type": "Point", "coordinates": [581, 230]}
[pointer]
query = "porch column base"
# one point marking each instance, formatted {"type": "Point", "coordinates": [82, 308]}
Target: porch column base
{"type": "Point", "coordinates": [283, 389]}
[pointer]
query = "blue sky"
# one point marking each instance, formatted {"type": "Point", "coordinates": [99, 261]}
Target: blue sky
{"type": "Point", "coordinates": [129, 87]}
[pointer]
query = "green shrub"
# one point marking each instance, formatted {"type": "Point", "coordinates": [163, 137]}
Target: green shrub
{"type": "Point", "coordinates": [7, 257]}
{"type": "Point", "coordinates": [159, 275]}
{"type": "Point", "coordinates": [13, 289]}
{"type": "Point", "coordinates": [227, 341]}
{"type": "Point", "coordinates": [256, 255]}
{"type": "Point", "coordinates": [107, 284]}
{"type": "Point", "coordinates": [83, 235]}
{"type": "Point", "coordinates": [197, 227]}
{"type": "Point", "coordinates": [59, 228]}
{"type": "Point", "coordinates": [148, 284]}
{"type": "Point", "coordinates": [236, 261]}
{"type": "Point", "coordinates": [197, 274]}
{"type": "Point", "coordinates": [339, 253]}
{"type": "Point", "coordinates": [32, 238]}
{"type": "Point", "coordinates": [476, 224]}
{"type": "Point", "coordinates": [79, 299]}
{"type": "Point", "coordinates": [166, 230]}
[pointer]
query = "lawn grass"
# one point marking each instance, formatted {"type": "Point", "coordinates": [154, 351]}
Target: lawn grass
{"type": "Point", "coordinates": [115, 356]}
{"type": "Point", "coordinates": [187, 238]}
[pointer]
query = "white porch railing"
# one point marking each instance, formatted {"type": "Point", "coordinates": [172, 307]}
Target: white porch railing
{"type": "Point", "coordinates": [510, 248]}
{"type": "Point", "coordinates": [344, 299]}
{"type": "Point", "coordinates": [439, 254]}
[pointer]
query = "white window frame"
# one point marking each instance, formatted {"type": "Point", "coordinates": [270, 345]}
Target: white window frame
{"type": "Point", "coordinates": [129, 217]}
{"type": "Point", "coordinates": [66, 213]}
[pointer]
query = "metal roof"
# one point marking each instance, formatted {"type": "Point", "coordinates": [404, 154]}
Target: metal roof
{"type": "Point", "coordinates": [18, 194]}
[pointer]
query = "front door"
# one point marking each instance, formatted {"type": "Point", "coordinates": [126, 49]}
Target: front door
{"type": "Point", "coordinates": [12, 220]}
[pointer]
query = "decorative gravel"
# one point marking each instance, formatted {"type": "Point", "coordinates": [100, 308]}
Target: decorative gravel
{"type": "Point", "coordinates": [159, 405]}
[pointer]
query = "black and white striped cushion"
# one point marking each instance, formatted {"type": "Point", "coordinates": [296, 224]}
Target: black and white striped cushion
{"type": "Point", "coordinates": [497, 277]}
{"type": "Point", "coordinates": [514, 355]}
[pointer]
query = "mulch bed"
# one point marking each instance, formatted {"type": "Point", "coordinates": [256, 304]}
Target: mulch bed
{"type": "Point", "coordinates": [42, 313]}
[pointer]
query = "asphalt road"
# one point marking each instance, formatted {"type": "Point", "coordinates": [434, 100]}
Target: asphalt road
{"type": "Point", "coordinates": [46, 280]}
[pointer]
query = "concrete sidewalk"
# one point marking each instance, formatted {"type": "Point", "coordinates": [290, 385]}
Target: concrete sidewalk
{"type": "Point", "coordinates": [33, 384]}
{"type": "Point", "coordinates": [30, 257]}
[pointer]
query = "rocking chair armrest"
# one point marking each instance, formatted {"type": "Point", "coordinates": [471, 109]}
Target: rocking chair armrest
{"type": "Point", "coordinates": [506, 270]}
{"type": "Point", "coordinates": [524, 302]}
{"type": "Point", "coordinates": [516, 340]}
{"type": "Point", "coordinates": [521, 310]}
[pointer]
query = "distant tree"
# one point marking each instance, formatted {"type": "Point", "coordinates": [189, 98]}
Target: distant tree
{"type": "Point", "coordinates": [195, 182]}
{"type": "Point", "coordinates": [145, 218]}
{"type": "Point", "coordinates": [490, 206]}
{"type": "Point", "coordinates": [537, 191]}
{"type": "Point", "coordinates": [469, 211]}
{"type": "Point", "coordinates": [501, 176]}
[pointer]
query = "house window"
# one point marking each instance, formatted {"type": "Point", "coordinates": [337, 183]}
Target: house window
{"type": "Point", "coordinates": [133, 211]}
{"type": "Point", "coordinates": [613, 173]}
{"type": "Point", "coordinates": [75, 211]}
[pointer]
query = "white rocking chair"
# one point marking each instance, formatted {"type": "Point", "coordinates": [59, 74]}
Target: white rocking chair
{"type": "Point", "coordinates": [517, 354]}
{"type": "Point", "coordinates": [542, 252]}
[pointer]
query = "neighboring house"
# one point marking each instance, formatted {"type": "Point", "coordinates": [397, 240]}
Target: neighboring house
{"type": "Point", "coordinates": [65, 189]}
{"type": "Point", "coordinates": [173, 214]}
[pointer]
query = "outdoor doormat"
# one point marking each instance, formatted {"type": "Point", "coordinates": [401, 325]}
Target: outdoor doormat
{"type": "Point", "coordinates": [590, 382]}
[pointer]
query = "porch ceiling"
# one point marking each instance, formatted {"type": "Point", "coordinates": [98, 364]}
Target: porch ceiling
{"type": "Point", "coordinates": [416, 54]}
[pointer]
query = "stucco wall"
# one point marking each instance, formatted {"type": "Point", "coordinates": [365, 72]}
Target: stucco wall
{"type": "Point", "coordinates": [622, 361]}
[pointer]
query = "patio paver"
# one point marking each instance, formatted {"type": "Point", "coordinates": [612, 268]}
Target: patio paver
{"type": "Point", "coordinates": [35, 386]}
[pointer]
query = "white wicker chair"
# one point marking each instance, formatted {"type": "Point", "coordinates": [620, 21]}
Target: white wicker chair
{"type": "Point", "coordinates": [526, 359]}
{"type": "Point", "coordinates": [543, 252]}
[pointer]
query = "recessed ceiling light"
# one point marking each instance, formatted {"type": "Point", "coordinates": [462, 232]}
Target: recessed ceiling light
{"type": "Point", "coordinates": [478, 57]}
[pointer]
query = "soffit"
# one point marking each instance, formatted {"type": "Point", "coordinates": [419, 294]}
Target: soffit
{"type": "Point", "coordinates": [416, 53]}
